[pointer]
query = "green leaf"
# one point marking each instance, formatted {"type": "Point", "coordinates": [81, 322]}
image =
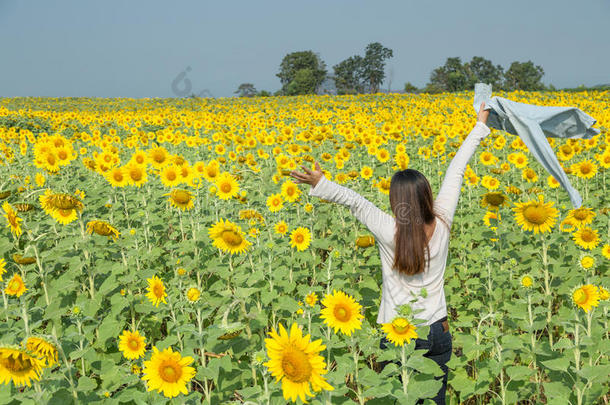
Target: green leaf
{"type": "Point", "coordinates": [598, 373]}
{"type": "Point", "coordinates": [519, 373]}
{"type": "Point", "coordinates": [424, 365]}
{"type": "Point", "coordinates": [86, 384]}
{"type": "Point", "coordinates": [559, 364]}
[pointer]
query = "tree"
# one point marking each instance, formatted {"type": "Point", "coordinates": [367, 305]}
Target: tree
{"type": "Point", "coordinates": [523, 76]}
{"type": "Point", "coordinates": [246, 90]}
{"type": "Point", "coordinates": [304, 82]}
{"type": "Point", "coordinates": [264, 93]}
{"type": "Point", "coordinates": [452, 76]}
{"type": "Point", "coordinates": [306, 68]}
{"type": "Point", "coordinates": [481, 70]}
{"type": "Point", "coordinates": [374, 63]}
{"type": "Point", "coordinates": [349, 75]}
{"type": "Point", "coordinates": [409, 88]}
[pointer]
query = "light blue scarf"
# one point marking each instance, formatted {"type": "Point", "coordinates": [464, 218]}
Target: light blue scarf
{"type": "Point", "coordinates": [533, 123]}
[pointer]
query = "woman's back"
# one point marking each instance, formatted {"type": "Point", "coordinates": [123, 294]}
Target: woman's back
{"type": "Point", "coordinates": [398, 289]}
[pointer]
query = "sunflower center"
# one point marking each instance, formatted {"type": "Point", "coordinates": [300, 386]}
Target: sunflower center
{"type": "Point", "coordinates": [231, 238]}
{"type": "Point", "coordinates": [134, 344]}
{"type": "Point", "coordinates": [290, 191]}
{"type": "Point", "coordinates": [298, 238]}
{"type": "Point", "coordinates": [158, 290]}
{"type": "Point", "coordinates": [171, 176]}
{"type": "Point", "coordinates": [342, 313]}
{"type": "Point", "coordinates": [158, 157]}
{"type": "Point", "coordinates": [585, 168]}
{"type": "Point", "coordinates": [170, 371]}
{"type": "Point", "coordinates": [400, 327]}
{"type": "Point", "coordinates": [580, 214]}
{"type": "Point", "coordinates": [13, 285]}
{"type": "Point", "coordinates": [580, 297]}
{"type": "Point", "coordinates": [587, 236]}
{"type": "Point", "coordinates": [118, 176]}
{"type": "Point", "coordinates": [17, 365]}
{"type": "Point", "coordinates": [296, 366]}
{"type": "Point", "coordinates": [181, 197]}
{"type": "Point", "coordinates": [225, 187]}
{"type": "Point", "coordinates": [535, 214]}
{"type": "Point", "coordinates": [135, 174]}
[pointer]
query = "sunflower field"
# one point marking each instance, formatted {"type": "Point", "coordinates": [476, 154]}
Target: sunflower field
{"type": "Point", "coordinates": [156, 251]}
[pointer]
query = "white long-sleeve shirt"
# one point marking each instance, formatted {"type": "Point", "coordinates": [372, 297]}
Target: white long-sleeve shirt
{"type": "Point", "coordinates": [398, 289]}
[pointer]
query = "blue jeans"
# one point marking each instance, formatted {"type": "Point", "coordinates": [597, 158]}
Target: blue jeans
{"type": "Point", "coordinates": [439, 346]}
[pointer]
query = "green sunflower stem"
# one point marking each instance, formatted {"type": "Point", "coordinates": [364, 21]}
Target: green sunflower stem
{"type": "Point", "coordinates": [24, 313]}
{"type": "Point", "coordinates": [404, 371]}
{"type": "Point", "coordinates": [547, 290]}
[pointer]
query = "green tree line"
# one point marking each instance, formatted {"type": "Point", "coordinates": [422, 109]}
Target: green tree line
{"type": "Point", "coordinates": [304, 72]}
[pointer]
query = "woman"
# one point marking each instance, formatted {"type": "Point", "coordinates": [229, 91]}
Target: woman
{"type": "Point", "coordinates": [413, 245]}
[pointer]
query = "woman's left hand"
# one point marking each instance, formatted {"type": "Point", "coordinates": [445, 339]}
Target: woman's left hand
{"type": "Point", "coordinates": [310, 177]}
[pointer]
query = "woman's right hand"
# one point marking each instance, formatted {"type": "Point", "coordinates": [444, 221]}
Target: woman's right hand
{"type": "Point", "coordinates": [483, 114]}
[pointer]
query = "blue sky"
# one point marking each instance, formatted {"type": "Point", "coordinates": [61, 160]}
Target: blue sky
{"type": "Point", "coordinates": [137, 48]}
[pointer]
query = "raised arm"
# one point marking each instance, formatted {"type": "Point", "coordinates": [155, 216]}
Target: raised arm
{"type": "Point", "coordinates": [375, 219]}
{"type": "Point", "coordinates": [449, 193]}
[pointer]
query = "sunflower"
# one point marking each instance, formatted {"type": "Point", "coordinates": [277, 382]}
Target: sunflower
{"type": "Point", "coordinates": [491, 219]}
{"type": "Point", "coordinates": [311, 299]}
{"type": "Point", "coordinates": [40, 179]}
{"type": "Point", "coordinates": [529, 175]}
{"type": "Point", "coordinates": [15, 286]}
{"type": "Point", "coordinates": [156, 291]}
{"type": "Point", "coordinates": [341, 312]}
{"type": "Point", "coordinates": [586, 238]}
{"type": "Point", "coordinates": [586, 262]}
{"type": "Point", "coordinates": [290, 191]}
{"type": "Point", "coordinates": [552, 182]}
{"type": "Point", "coordinates": [228, 237]}
{"type": "Point", "coordinates": [226, 186]}
{"type": "Point", "coordinates": [281, 228]}
{"type": "Point", "coordinates": [170, 175]}
{"type": "Point", "coordinates": [487, 158]}
{"type": "Point", "coordinates": [295, 361]}
{"type": "Point", "coordinates": [275, 202]}
{"type": "Point", "coordinates": [494, 200]}
{"type": "Point", "coordinates": [586, 297]}
{"type": "Point", "coordinates": [19, 259]}
{"type": "Point", "coordinates": [399, 331]}
{"type": "Point", "coordinates": [43, 349]}
{"type": "Point", "coordinates": [527, 281]}
{"type": "Point", "coordinates": [193, 294]}
{"type": "Point", "coordinates": [606, 251]}
{"type": "Point", "coordinates": [585, 169]}
{"type": "Point", "coordinates": [168, 372]}
{"type": "Point", "coordinates": [139, 158]}
{"type": "Point", "coordinates": [490, 183]}
{"type": "Point", "coordinates": [19, 366]}
{"type": "Point", "coordinates": [12, 220]}
{"type": "Point", "coordinates": [136, 174]}
{"type": "Point", "coordinates": [132, 344]}
{"type": "Point", "coordinates": [117, 177]}
{"type": "Point", "coordinates": [603, 293]}
{"type": "Point", "coordinates": [535, 215]}
{"type": "Point", "coordinates": [158, 156]}
{"type": "Point", "coordinates": [211, 171]}
{"type": "Point", "coordinates": [181, 199]}
{"type": "Point", "coordinates": [300, 238]}
{"type": "Point", "coordinates": [64, 217]}
{"type": "Point", "coordinates": [365, 241]}
{"type": "Point", "coordinates": [581, 216]}
{"type": "Point", "coordinates": [2, 267]}
{"type": "Point", "coordinates": [102, 228]}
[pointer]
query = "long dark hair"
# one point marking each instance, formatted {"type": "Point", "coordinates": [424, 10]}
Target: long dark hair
{"type": "Point", "coordinates": [412, 203]}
